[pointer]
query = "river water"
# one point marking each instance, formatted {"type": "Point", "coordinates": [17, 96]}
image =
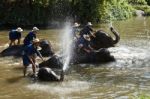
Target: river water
{"type": "Point", "coordinates": [127, 78]}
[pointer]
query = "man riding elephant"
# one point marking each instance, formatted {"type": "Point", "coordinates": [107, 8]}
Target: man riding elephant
{"type": "Point", "coordinates": [84, 47]}
{"type": "Point", "coordinates": [87, 30]}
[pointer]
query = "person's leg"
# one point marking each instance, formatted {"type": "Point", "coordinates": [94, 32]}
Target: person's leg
{"type": "Point", "coordinates": [18, 43]}
{"type": "Point", "coordinates": [11, 42]}
{"type": "Point", "coordinates": [25, 70]}
{"type": "Point", "coordinates": [34, 66]}
{"type": "Point", "coordinates": [26, 63]}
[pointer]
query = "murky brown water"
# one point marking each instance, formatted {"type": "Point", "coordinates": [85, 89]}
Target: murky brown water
{"type": "Point", "coordinates": [127, 78]}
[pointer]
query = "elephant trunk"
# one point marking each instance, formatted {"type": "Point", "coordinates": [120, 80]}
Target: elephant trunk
{"type": "Point", "coordinates": [117, 39]}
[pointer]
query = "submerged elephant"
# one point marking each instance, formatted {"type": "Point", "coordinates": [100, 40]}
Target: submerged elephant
{"type": "Point", "coordinates": [17, 49]}
{"type": "Point", "coordinates": [100, 56]}
{"type": "Point", "coordinates": [47, 74]}
{"type": "Point", "coordinates": [103, 40]}
{"type": "Point", "coordinates": [50, 69]}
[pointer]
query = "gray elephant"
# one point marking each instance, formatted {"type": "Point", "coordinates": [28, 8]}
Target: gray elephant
{"type": "Point", "coordinates": [18, 49]}
{"type": "Point", "coordinates": [47, 74]}
{"type": "Point", "coordinates": [103, 40]}
{"type": "Point", "coordinates": [50, 69]}
{"type": "Point", "coordinates": [100, 56]}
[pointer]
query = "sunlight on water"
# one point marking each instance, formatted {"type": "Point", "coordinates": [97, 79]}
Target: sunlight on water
{"type": "Point", "coordinates": [130, 56]}
{"type": "Point", "coordinates": [63, 88]}
{"type": "Point", "coordinates": [66, 45]}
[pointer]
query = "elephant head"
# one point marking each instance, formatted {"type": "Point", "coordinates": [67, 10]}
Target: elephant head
{"type": "Point", "coordinates": [46, 48]}
{"type": "Point", "coordinates": [103, 40]}
{"type": "Point", "coordinates": [47, 74]}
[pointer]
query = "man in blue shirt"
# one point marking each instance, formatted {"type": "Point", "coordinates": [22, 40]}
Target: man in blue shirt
{"type": "Point", "coordinates": [29, 56]}
{"type": "Point", "coordinates": [84, 45]}
{"type": "Point", "coordinates": [15, 35]}
{"type": "Point", "coordinates": [30, 36]}
{"type": "Point", "coordinates": [87, 30]}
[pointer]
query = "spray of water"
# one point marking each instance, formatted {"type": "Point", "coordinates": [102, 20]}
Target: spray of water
{"type": "Point", "coordinates": [110, 24]}
{"type": "Point", "coordinates": [66, 45]}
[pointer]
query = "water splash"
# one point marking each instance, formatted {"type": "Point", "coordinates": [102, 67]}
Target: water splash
{"type": "Point", "coordinates": [66, 45]}
{"type": "Point", "coordinates": [110, 24]}
{"type": "Point", "coordinates": [62, 89]}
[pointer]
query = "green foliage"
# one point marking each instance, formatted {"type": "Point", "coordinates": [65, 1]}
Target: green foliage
{"type": "Point", "coordinates": [144, 97]}
{"type": "Point", "coordinates": [41, 12]}
{"type": "Point", "coordinates": [120, 9]}
{"type": "Point", "coordinates": [137, 2]}
{"type": "Point", "coordinates": [148, 2]}
{"type": "Point", "coordinates": [88, 10]}
{"type": "Point", "coordinates": [144, 8]}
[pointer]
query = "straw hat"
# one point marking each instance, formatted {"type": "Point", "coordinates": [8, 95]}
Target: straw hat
{"type": "Point", "coordinates": [87, 37]}
{"type": "Point", "coordinates": [89, 24]}
{"type": "Point", "coordinates": [76, 24]}
{"type": "Point", "coordinates": [19, 29]}
{"type": "Point", "coordinates": [35, 29]}
{"type": "Point", "coordinates": [37, 41]}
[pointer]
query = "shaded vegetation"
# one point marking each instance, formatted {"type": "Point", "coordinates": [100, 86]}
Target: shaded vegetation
{"type": "Point", "coordinates": [47, 12]}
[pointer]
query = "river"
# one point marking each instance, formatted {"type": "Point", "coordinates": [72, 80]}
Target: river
{"type": "Point", "coordinates": [127, 78]}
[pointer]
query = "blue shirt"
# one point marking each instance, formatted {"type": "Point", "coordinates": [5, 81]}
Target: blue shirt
{"type": "Point", "coordinates": [30, 50]}
{"type": "Point", "coordinates": [86, 30]}
{"type": "Point", "coordinates": [29, 38]}
{"type": "Point", "coordinates": [84, 42]}
{"type": "Point", "coordinates": [13, 35]}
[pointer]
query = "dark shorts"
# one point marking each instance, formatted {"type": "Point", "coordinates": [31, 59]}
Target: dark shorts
{"type": "Point", "coordinates": [26, 61]}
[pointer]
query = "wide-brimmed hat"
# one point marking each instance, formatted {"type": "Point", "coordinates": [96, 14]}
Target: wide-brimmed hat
{"type": "Point", "coordinates": [87, 37]}
{"type": "Point", "coordinates": [19, 29]}
{"type": "Point", "coordinates": [37, 41]}
{"type": "Point", "coordinates": [89, 24]}
{"type": "Point", "coordinates": [76, 24]}
{"type": "Point", "coordinates": [35, 29]}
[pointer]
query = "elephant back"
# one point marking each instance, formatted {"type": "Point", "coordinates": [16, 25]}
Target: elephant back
{"type": "Point", "coordinates": [15, 50]}
{"type": "Point", "coordinates": [52, 62]}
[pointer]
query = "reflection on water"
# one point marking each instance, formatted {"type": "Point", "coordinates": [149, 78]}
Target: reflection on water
{"type": "Point", "coordinates": [61, 89]}
{"type": "Point", "coordinates": [126, 78]}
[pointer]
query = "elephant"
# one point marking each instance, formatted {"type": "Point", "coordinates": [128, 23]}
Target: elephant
{"type": "Point", "coordinates": [47, 74]}
{"type": "Point", "coordinates": [49, 70]}
{"type": "Point", "coordinates": [17, 50]}
{"type": "Point", "coordinates": [103, 40]}
{"type": "Point", "coordinates": [100, 56]}
{"type": "Point", "coordinates": [52, 62]}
